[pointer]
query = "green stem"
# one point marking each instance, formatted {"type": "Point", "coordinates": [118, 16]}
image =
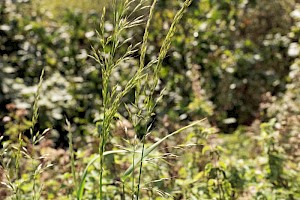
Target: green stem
{"type": "Point", "coordinates": [123, 191]}
{"type": "Point", "coordinates": [132, 186]}
{"type": "Point", "coordinates": [101, 151]}
{"type": "Point", "coordinates": [140, 172]}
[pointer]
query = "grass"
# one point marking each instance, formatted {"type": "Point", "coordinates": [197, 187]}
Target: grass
{"type": "Point", "coordinates": [108, 60]}
{"type": "Point", "coordinates": [111, 166]}
{"type": "Point", "coordinates": [20, 153]}
{"type": "Point", "coordinates": [126, 15]}
{"type": "Point", "coordinates": [144, 81]}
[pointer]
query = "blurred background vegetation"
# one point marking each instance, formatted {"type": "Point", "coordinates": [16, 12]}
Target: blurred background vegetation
{"type": "Point", "coordinates": [234, 62]}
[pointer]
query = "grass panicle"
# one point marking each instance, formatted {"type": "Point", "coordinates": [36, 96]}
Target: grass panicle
{"type": "Point", "coordinates": [162, 54]}
{"type": "Point", "coordinates": [108, 60]}
{"type": "Point", "coordinates": [112, 53]}
{"type": "Point", "coordinates": [15, 183]}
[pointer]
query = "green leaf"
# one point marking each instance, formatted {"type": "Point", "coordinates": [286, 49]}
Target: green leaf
{"type": "Point", "coordinates": [205, 149]}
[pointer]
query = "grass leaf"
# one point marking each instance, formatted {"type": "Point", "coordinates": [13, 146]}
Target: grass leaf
{"type": "Point", "coordinates": [154, 146]}
{"type": "Point", "coordinates": [85, 172]}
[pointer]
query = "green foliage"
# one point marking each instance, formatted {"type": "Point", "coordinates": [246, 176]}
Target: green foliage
{"type": "Point", "coordinates": [233, 62]}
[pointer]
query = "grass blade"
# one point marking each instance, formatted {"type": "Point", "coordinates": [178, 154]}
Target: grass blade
{"type": "Point", "coordinates": [85, 172]}
{"type": "Point", "coordinates": [154, 146]}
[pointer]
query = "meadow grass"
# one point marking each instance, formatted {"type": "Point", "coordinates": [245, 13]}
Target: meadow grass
{"type": "Point", "coordinates": [14, 176]}
{"type": "Point", "coordinates": [117, 166]}
{"type": "Point", "coordinates": [108, 60]}
{"type": "Point", "coordinates": [125, 16]}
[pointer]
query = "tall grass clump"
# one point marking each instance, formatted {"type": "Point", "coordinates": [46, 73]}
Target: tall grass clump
{"type": "Point", "coordinates": [25, 187]}
{"type": "Point", "coordinates": [144, 81]}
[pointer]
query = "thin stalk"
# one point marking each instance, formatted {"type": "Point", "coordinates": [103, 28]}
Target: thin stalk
{"type": "Point", "coordinates": [141, 66]}
{"type": "Point", "coordinates": [111, 101]}
{"type": "Point", "coordinates": [132, 185]}
{"type": "Point", "coordinates": [145, 37]}
{"type": "Point", "coordinates": [34, 121]}
{"type": "Point", "coordinates": [17, 170]}
{"type": "Point", "coordinates": [101, 166]}
{"type": "Point", "coordinates": [102, 142]}
{"type": "Point", "coordinates": [123, 191]}
{"type": "Point", "coordinates": [140, 172]}
{"type": "Point", "coordinates": [162, 54]}
{"type": "Point", "coordinates": [144, 47]}
{"type": "Point", "coordinates": [103, 131]}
